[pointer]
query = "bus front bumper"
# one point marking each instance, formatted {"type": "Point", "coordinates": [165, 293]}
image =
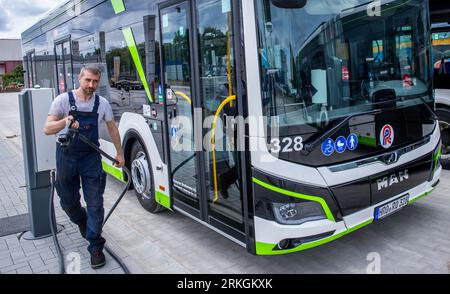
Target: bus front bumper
{"type": "Point", "coordinates": [273, 238]}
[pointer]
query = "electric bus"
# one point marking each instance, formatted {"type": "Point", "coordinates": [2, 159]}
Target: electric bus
{"type": "Point", "coordinates": [280, 124]}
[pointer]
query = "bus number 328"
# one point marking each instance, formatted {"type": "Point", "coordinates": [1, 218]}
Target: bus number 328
{"type": "Point", "coordinates": [286, 145]}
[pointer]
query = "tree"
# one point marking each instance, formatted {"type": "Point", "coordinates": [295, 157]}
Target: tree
{"type": "Point", "coordinates": [16, 76]}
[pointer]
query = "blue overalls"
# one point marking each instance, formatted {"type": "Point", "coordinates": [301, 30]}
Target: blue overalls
{"type": "Point", "coordinates": [81, 160]}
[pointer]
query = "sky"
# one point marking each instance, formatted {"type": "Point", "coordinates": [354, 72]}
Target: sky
{"type": "Point", "coordinates": [18, 15]}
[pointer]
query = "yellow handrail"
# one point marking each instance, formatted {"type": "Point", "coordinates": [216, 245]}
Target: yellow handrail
{"type": "Point", "coordinates": [229, 100]}
{"type": "Point", "coordinates": [186, 97]}
{"type": "Point", "coordinates": [213, 144]}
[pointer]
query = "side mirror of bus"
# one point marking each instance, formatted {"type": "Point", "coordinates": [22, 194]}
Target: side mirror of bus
{"type": "Point", "coordinates": [445, 66]}
{"type": "Point", "coordinates": [289, 4]}
{"type": "Point", "coordinates": [441, 76]}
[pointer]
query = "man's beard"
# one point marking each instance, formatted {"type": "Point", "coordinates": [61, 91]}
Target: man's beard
{"type": "Point", "coordinates": [89, 91]}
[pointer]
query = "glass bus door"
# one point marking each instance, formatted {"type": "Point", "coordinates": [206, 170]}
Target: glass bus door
{"type": "Point", "coordinates": [175, 38]}
{"type": "Point", "coordinates": [199, 69]}
{"type": "Point", "coordinates": [64, 72]}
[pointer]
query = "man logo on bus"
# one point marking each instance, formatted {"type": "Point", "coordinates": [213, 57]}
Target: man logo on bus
{"type": "Point", "coordinates": [387, 136]}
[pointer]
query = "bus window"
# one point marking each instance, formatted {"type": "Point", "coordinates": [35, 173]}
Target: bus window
{"type": "Point", "coordinates": [31, 68]}
{"type": "Point", "coordinates": [441, 59]}
{"type": "Point", "coordinates": [86, 51]}
{"type": "Point", "coordinates": [68, 66]}
{"type": "Point", "coordinates": [127, 92]}
{"type": "Point", "coordinates": [64, 66]}
{"type": "Point", "coordinates": [322, 62]}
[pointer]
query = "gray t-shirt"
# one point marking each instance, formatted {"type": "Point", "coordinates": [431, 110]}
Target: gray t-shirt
{"type": "Point", "coordinates": [61, 107]}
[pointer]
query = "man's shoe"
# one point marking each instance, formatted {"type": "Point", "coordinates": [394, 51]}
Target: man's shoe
{"type": "Point", "coordinates": [83, 228]}
{"type": "Point", "coordinates": [97, 259]}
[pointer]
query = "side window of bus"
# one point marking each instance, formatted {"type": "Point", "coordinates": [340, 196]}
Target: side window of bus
{"type": "Point", "coordinates": [85, 50]}
{"type": "Point", "coordinates": [122, 75]}
{"type": "Point", "coordinates": [64, 70]}
{"type": "Point", "coordinates": [441, 60]}
{"type": "Point", "coordinates": [44, 64]}
{"type": "Point", "coordinates": [216, 53]}
{"type": "Point", "coordinates": [40, 66]}
{"type": "Point", "coordinates": [442, 73]}
{"type": "Point", "coordinates": [132, 80]}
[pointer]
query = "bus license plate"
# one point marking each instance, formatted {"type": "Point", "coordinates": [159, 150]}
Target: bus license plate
{"type": "Point", "coordinates": [391, 207]}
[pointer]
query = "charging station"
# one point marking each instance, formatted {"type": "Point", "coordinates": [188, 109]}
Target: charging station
{"type": "Point", "coordinates": [39, 158]}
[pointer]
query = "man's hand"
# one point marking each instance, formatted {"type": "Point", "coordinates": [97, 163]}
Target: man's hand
{"type": "Point", "coordinates": [55, 124]}
{"type": "Point", "coordinates": [75, 124]}
{"type": "Point", "coordinates": [121, 159]}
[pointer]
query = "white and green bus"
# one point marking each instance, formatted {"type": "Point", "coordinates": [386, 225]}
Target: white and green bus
{"type": "Point", "coordinates": [280, 124]}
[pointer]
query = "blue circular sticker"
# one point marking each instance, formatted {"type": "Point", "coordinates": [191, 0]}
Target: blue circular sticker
{"type": "Point", "coordinates": [352, 142]}
{"type": "Point", "coordinates": [341, 145]}
{"type": "Point", "coordinates": [328, 147]}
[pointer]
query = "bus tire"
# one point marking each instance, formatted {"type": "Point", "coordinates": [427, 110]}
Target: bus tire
{"type": "Point", "coordinates": [147, 200]}
{"type": "Point", "coordinates": [444, 121]}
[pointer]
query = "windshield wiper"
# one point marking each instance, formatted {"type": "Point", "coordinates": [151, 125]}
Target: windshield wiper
{"type": "Point", "coordinates": [433, 113]}
{"type": "Point", "coordinates": [309, 147]}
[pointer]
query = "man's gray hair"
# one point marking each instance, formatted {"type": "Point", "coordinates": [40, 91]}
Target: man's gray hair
{"type": "Point", "coordinates": [93, 69]}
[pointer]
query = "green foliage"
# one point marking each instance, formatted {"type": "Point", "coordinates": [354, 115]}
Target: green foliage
{"type": "Point", "coordinates": [16, 76]}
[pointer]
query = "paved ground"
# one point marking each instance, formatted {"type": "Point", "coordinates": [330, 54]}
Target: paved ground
{"type": "Point", "coordinates": [415, 240]}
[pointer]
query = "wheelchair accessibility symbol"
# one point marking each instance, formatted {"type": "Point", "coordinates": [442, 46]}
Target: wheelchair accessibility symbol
{"type": "Point", "coordinates": [328, 147]}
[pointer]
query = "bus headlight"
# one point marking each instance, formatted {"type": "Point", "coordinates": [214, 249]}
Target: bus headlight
{"type": "Point", "coordinates": [298, 213]}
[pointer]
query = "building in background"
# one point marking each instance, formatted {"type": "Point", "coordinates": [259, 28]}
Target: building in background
{"type": "Point", "coordinates": [10, 59]}
{"type": "Point", "coordinates": [10, 55]}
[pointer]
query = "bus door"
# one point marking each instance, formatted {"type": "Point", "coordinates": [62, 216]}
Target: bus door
{"type": "Point", "coordinates": [30, 69]}
{"type": "Point", "coordinates": [198, 66]}
{"type": "Point", "coordinates": [64, 72]}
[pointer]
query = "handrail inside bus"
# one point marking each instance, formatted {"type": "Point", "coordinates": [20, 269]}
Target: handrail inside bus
{"type": "Point", "coordinates": [229, 100]}
{"type": "Point", "coordinates": [183, 95]}
{"type": "Point", "coordinates": [213, 144]}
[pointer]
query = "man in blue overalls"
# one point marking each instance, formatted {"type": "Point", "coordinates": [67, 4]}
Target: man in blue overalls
{"type": "Point", "coordinates": [87, 111]}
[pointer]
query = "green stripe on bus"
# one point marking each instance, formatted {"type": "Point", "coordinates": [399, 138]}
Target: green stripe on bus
{"type": "Point", "coordinates": [367, 141]}
{"type": "Point", "coordinates": [268, 249]}
{"type": "Point", "coordinates": [322, 202]}
{"type": "Point", "coordinates": [437, 157]}
{"type": "Point", "coordinates": [118, 6]}
{"type": "Point", "coordinates": [129, 38]}
{"type": "Point", "coordinates": [421, 196]}
{"type": "Point", "coordinates": [163, 199]}
{"type": "Point", "coordinates": [117, 173]}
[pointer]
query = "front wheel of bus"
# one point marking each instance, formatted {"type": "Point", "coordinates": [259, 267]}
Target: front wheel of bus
{"type": "Point", "coordinates": [444, 122]}
{"type": "Point", "coordinates": [142, 177]}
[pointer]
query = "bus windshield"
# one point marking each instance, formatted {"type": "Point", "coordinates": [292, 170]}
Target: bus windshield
{"type": "Point", "coordinates": [330, 59]}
